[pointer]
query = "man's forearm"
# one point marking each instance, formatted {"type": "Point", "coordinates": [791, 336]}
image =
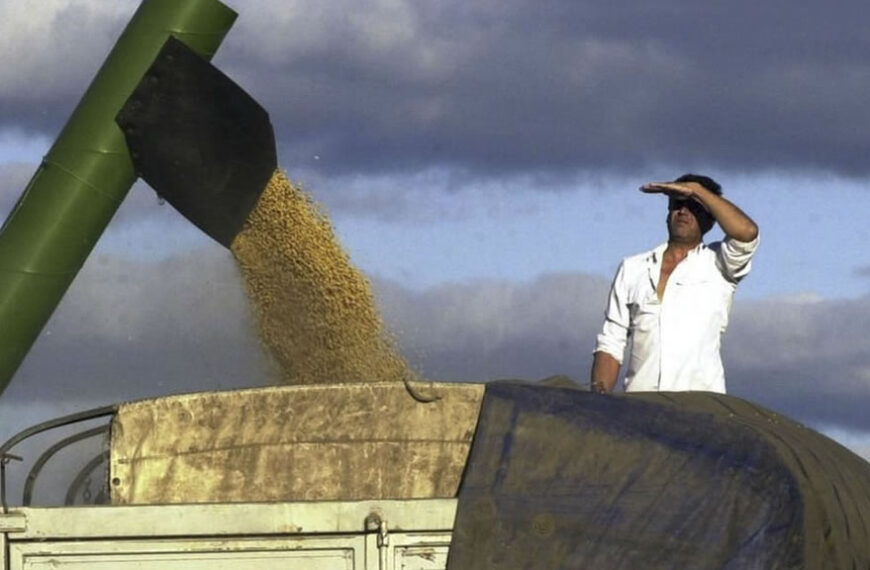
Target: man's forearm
{"type": "Point", "coordinates": [605, 372]}
{"type": "Point", "coordinates": [733, 221]}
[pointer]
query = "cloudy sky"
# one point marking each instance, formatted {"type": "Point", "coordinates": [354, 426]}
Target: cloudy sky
{"type": "Point", "coordinates": [480, 162]}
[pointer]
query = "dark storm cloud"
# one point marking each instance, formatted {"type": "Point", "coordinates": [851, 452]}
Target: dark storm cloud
{"type": "Point", "coordinates": [510, 86]}
{"type": "Point", "coordinates": [49, 53]}
{"type": "Point", "coordinates": [501, 87]}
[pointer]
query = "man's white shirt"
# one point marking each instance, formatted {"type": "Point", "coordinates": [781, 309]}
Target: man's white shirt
{"type": "Point", "coordinates": [675, 340]}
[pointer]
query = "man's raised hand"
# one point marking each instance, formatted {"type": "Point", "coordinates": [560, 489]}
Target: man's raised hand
{"type": "Point", "coordinates": [681, 190]}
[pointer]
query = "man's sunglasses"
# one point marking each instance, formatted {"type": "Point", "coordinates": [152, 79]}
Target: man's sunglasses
{"type": "Point", "coordinates": [691, 205]}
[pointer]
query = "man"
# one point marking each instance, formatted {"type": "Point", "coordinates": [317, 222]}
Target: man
{"type": "Point", "coordinates": [673, 301]}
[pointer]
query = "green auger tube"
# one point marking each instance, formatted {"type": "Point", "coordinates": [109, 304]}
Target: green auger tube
{"type": "Point", "coordinates": [86, 174]}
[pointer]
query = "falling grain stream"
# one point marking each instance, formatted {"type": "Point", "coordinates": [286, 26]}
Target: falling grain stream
{"type": "Point", "coordinates": [315, 311]}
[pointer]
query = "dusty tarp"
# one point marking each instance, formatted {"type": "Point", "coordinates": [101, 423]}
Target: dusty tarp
{"type": "Point", "coordinates": [562, 478]}
{"type": "Point", "coordinates": [318, 442]}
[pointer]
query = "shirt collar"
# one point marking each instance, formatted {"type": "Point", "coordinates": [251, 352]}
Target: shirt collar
{"type": "Point", "coordinates": [655, 256]}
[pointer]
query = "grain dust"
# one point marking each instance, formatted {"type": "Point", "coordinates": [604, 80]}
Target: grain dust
{"type": "Point", "coordinates": [316, 312]}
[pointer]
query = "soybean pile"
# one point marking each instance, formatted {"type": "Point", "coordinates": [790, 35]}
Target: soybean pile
{"type": "Point", "coordinates": [315, 311]}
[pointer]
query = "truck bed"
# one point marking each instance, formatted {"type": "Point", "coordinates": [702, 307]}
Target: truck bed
{"type": "Point", "coordinates": [407, 534]}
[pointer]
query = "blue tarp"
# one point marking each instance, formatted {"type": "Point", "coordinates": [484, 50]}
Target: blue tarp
{"type": "Point", "coordinates": [563, 478]}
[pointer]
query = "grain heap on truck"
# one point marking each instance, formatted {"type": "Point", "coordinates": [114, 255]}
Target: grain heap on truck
{"type": "Point", "coordinates": [357, 463]}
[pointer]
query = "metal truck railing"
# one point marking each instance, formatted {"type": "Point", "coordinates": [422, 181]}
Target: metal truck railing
{"type": "Point", "coordinates": [7, 457]}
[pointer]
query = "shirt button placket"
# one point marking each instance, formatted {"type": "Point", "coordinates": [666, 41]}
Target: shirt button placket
{"type": "Point", "coordinates": [662, 343]}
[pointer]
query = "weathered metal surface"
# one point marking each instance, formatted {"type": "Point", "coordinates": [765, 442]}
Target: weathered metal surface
{"type": "Point", "coordinates": [223, 520]}
{"type": "Point", "coordinates": [292, 536]}
{"type": "Point", "coordinates": [320, 442]}
{"type": "Point", "coordinates": [12, 522]}
{"type": "Point", "coordinates": [309, 553]}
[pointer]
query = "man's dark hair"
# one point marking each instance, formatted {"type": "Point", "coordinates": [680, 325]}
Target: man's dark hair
{"type": "Point", "coordinates": [704, 181]}
{"type": "Point", "coordinates": [705, 220]}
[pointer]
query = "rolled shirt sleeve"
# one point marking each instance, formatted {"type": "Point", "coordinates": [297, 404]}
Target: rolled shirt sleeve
{"type": "Point", "coordinates": [614, 333]}
{"type": "Point", "coordinates": [734, 258]}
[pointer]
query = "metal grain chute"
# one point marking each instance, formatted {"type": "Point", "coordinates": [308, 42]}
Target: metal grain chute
{"type": "Point", "coordinates": [199, 140]}
{"type": "Point", "coordinates": [86, 174]}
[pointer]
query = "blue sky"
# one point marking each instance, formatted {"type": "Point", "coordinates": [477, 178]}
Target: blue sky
{"type": "Point", "coordinates": [812, 226]}
{"type": "Point", "coordinates": [487, 186]}
{"type": "Point", "coordinates": [813, 229]}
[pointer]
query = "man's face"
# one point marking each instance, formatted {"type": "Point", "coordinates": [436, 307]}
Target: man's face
{"type": "Point", "coordinates": [683, 221]}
